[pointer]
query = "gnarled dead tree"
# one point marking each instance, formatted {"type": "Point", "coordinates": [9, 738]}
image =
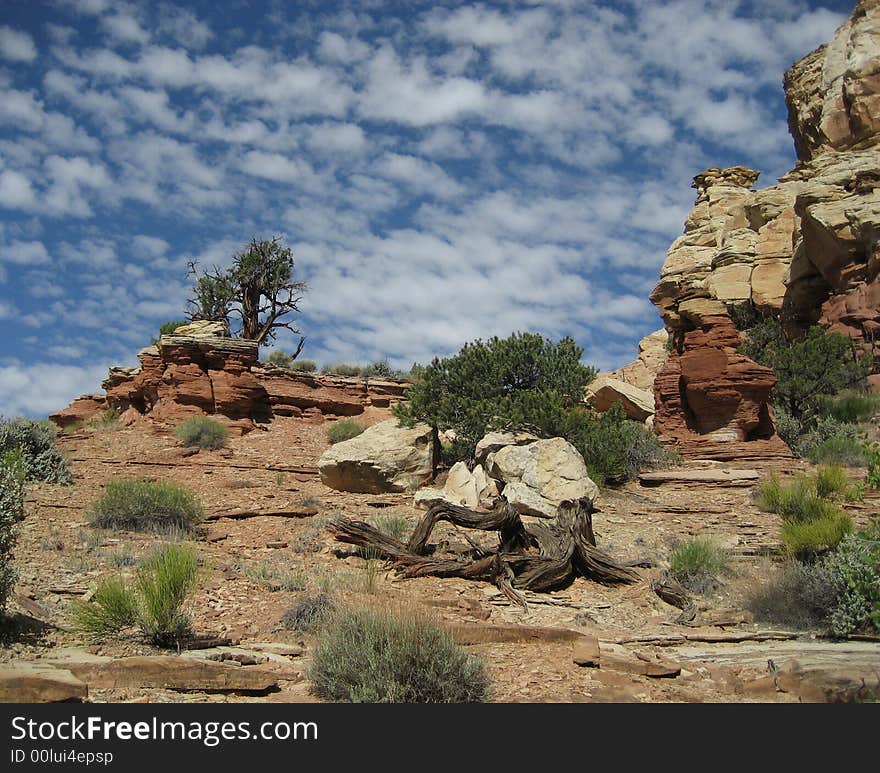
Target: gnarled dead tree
{"type": "Point", "coordinates": [537, 557]}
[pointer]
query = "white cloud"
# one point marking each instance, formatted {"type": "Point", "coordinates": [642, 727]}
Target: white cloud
{"type": "Point", "coordinates": [70, 181]}
{"type": "Point", "coordinates": [125, 28]}
{"type": "Point", "coordinates": [42, 388]}
{"type": "Point", "coordinates": [419, 175]}
{"type": "Point", "coordinates": [16, 46]}
{"type": "Point", "coordinates": [183, 26]}
{"type": "Point", "coordinates": [25, 253]}
{"type": "Point", "coordinates": [16, 191]}
{"type": "Point", "coordinates": [410, 94]}
{"type": "Point", "coordinates": [144, 246]}
{"type": "Point", "coordinates": [278, 168]}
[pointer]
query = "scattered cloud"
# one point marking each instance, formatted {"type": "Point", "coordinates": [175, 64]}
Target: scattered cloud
{"type": "Point", "coordinates": [16, 46]}
{"type": "Point", "coordinates": [449, 172]}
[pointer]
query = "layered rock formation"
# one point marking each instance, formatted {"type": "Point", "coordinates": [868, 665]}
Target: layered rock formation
{"type": "Point", "coordinates": [200, 370]}
{"type": "Point", "coordinates": [804, 249]}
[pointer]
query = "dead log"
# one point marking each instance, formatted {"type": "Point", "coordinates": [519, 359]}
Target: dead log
{"type": "Point", "coordinates": [538, 557]}
{"type": "Point", "coordinates": [676, 594]}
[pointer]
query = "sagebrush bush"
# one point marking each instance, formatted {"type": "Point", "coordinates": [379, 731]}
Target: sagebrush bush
{"type": "Point", "coordinates": [141, 505]}
{"type": "Point", "coordinates": [203, 432]}
{"type": "Point", "coordinates": [856, 564]}
{"type": "Point", "coordinates": [800, 595]}
{"type": "Point", "coordinates": [344, 429]}
{"type": "Point", "coordinates": [805, 539]}
{"type": "Point", "coordinates": [698, 563]}
{"type": "Point", "coordinates": [838, 450]}
{"type": "Point", "coordinates": [380, 656]}
{"type": "Point", "coordinates": [163, 582]}
{"type": "Point", "coordinates": [12, 490]}
{"type": "Point", "coordinates": [35, 440]}
{"type": "Point", "coordinates": [308, 613]}
{"type": "Point", "coordinates": [839, 593]}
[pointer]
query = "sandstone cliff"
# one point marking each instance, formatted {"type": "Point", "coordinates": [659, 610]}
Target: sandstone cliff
{"type": "Point", "coordinates": [804, 249]}
{"type": "Point", "coordinates": [198, 370]}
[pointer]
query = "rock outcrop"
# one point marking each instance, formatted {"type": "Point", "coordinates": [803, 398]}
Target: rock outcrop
{"type": "Point", "coordinates": [383, 458]}
{"type": "Point", "coordinates": [804, 250]}
{"type": "Point", "coordinates": [604, 391]}
{"type": "Point", "coordinates": [641, 372]}
{"type": "Point", "coordinates": [196, 370]}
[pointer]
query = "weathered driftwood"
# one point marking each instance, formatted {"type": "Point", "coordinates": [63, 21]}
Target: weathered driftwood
{"type": "Point", "coordinates": [538, 557]}
{"type": "Point", "coordinates": [675, 594]}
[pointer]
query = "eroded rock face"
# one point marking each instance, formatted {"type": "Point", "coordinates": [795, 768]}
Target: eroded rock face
{"type": "Point", "coordinates": [80, 410]}
{"type": "Point", "coordinates": [201, 372]}
{"type": "Point", "coordinates": [384, 458]}
{"type": "Point", "coordinates": [804, 250]}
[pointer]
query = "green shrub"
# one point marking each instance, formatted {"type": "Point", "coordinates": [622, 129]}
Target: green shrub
{"type": "Point", "coordinates": [798, 502]}
{"type": "Point", "coordinates": [35, 440]}
{"type": "Point", "coordinates": [698, 563]}
{"type": "Point", "coordinates": [851, 407]}
{"type": "Point", "coordinates": [839, 450]}
{"type": "Point", "coordinates": [163, 582]}
{"type": "Point", "coordinates": [112, 608]}
{"type": "Point", "coordinates": [377, 656]}
{"type": "Point", "coordinates": [141, 505]}
{"type": "Point", "coordinates": [839, 593]}
{"type": "Point", "coordinates": [394, 526]}
{"type": "Point", "coordinates": [106, 421]}
{"type": "Point", "coordinates": [615, 448]}
{"type": "Point", "coordinates": [203, 432]}
{"type": "Point", "coordinates": [345, 429]}
{"type": "Point", "coordinates": [872, 479]}
{"type": "Point", "coordinates": [307, 366]}
{"type": "Point", "coordinates": [308, 613]}
{"type": "Point", "coordinates": [524, 379]}
{"type": "Point", "coordinates": [805, 539]}
{"type": "Point", "coordinates": [12, 489]}
{"type": "Point", "coordinates": [832, 482]}
{"type": "Point", "coordinates": [856, 563]}
{"type": "Point", "coordinates": [168, 328]}
{"type": "Point", "coordinates": [342, 369]}
{"type": "Point", "coordinates": [380, 369]}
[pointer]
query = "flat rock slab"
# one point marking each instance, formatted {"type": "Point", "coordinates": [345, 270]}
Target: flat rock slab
{"type": "Point", "coordinates": [617, 658]}
{"type": "Point", "coordinates": [723, 477]}
{"type": "Point", "coordinates": [512, 634]}
{"type": "Point", "coordinates": [32, 683]}
{"type": "Point", "coordinates": [173, 673]}
{"type": "Point", "coordinates": [586, 652]}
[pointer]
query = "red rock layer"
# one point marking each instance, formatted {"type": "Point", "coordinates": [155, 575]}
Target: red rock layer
{"type": "Point", "coordinates": [710, 398]}
{"type": "Point", "coordinates": [186, 376]}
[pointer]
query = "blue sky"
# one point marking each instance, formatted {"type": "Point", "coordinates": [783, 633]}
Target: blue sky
{"type": "Point", "coordinates": [442, 171]}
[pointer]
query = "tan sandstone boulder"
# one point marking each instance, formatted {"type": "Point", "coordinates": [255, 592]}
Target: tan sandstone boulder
{"type": "Point", "coordinates": [605, 391]}
{"type": "Point", "coordinates": [540, 475]}
{"type": "Point", "coordinates": [386, 457]}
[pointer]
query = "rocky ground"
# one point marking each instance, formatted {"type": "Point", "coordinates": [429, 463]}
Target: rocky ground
{"type": "Point", "coordinates": [254, 568]}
